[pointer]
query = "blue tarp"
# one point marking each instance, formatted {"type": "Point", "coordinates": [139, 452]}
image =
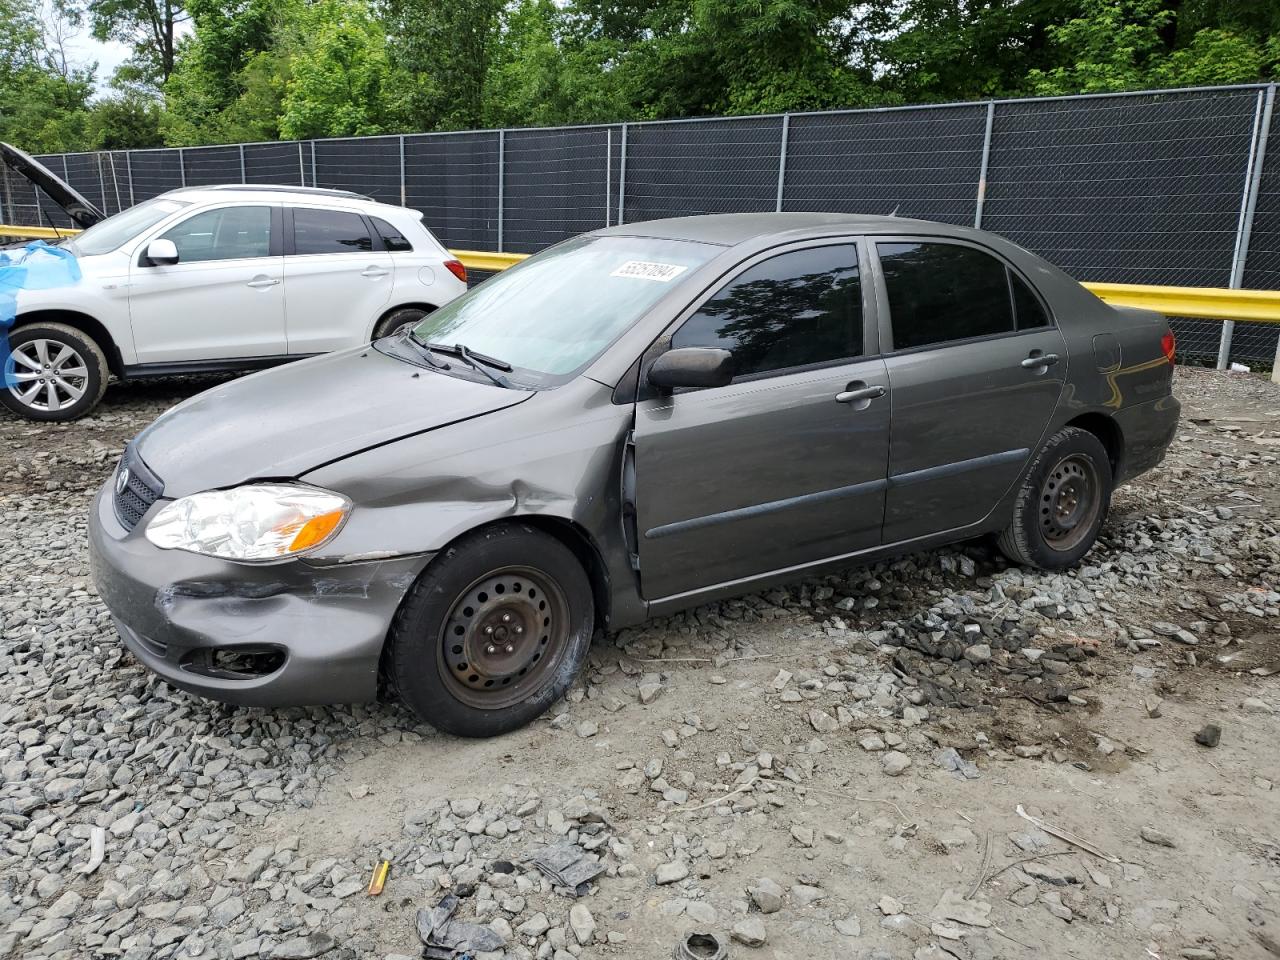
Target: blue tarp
{"type": "Point", "coordinates": [37, 266]}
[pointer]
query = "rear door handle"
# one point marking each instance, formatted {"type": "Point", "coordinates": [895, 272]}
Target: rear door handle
{"type": "Point", "coordinates": [261, 283]}
{"type": "Point", "coordinates": [1038, 359]}
{"type": "Point", "coordinates": [859, 392]}
{"type": "Point", "coordinates": [374, 273]}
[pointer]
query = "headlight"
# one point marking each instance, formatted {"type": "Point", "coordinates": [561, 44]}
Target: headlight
{"type": "Point", "coordinates": [257, 522]}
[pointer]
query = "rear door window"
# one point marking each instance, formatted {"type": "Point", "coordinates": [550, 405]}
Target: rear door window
{"type": "Point", "coordinates": [329, 231]}
{"type": "Point", "coordinates": [797, 309]}
{"type": "Point", "coordinates": [940, 292]}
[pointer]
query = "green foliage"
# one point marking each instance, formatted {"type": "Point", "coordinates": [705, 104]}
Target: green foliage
{"type": "Point", "coordinates": [341, 82]}
{"type": "Point", "coordinates": [264, 69]}
{"type": "Point", "coordinates": [1130, 44]}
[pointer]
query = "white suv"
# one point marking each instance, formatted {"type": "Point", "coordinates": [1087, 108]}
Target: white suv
{"type": "Point", "coordinates": [221, 278]}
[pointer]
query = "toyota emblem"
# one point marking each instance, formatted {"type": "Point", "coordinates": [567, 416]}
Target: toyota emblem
{"type": "Point", "coordinates": [122, 480]}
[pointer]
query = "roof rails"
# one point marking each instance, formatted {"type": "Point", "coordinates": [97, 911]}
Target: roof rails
{"type": "Point", "coordinates": [279, 188]}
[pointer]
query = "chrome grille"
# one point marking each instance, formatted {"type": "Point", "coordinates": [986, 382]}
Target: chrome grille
{"type": "Point", "coordinates": [140, 489]}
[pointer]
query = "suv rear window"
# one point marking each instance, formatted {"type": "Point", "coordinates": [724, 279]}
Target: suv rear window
{"type": "Point", "coordinates": [329, 231]}
{"type": "Point", "coordinates": [392, 239]}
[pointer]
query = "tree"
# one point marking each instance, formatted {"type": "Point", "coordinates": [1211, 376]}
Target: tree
{"type": "Point", "coordinates": [149, 26]}
{"type": "Point", "coordinates": [340, 75]}
{"type": "Point", "coordinates": [230, 74]}
{"type": "Point", "coordinates": [1129, 44]}
{"type": "Point", "coordinates": [128, 120]}
{"type": "Point", "coordinates": [43, 99]}
{"type": "Point", "coordinates": [445, 50]}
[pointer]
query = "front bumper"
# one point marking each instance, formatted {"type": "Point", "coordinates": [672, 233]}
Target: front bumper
{"type": "Point", "coordinates": [313, 634]}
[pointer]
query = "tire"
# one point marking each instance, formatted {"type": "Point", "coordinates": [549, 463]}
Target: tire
{"type": "Point", "coordinates": [397, 319]}
{"type": "Point", "coordinates": [461, 678]}
{"type": "Point", "coordinates": [1062, 503]}
{"type": "Point", "coordinates": [66, 350]}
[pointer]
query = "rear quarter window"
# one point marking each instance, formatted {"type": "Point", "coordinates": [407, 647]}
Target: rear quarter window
{"type": "Point", "coordinates": [392, 239]}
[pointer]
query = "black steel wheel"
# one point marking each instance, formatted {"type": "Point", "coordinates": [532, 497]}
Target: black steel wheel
{"type": "Point", "coordinates": [493, 632]}
{"type": "Point", "coordinates": [1062, 503]}
{"type": "Point", "coordinates": [1069, 502]}
{"type": "Point", "coordinates": [504, 635]}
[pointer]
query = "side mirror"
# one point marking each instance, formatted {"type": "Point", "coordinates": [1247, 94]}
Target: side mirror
{"type": "Point", "coordinates": [162, 253]}
{"type": "Point", "coordinates": [692, 367]}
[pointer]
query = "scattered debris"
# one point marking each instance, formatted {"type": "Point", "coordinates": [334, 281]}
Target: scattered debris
{"type": "Point", "coordinates": [379, 878]}
{"type": "Point", "coordinates": [949, 759]}
{"type": "Point", "coordinates": [446, 938]}
{"type": "Point", "coordinates": [700, 945]}
{"type": "Point", "coordinates": [1068, 837]}
{"type": "Point", "coordinates": [570, 867]}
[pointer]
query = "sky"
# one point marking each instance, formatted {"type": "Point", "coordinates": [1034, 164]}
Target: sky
{"type": "Point", "coordinates": [84, 50]}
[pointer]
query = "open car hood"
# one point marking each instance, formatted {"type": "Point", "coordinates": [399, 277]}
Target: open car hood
{"type": "Point", "coordinates": [82, 213]}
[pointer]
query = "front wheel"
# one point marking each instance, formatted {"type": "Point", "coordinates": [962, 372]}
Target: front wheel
{"type": "Point", "coordinates": [52, 372]}
{"type": "Point", "coordinates": [493, 632]}
{"type": "Point", "coordinates": [1062, 503]}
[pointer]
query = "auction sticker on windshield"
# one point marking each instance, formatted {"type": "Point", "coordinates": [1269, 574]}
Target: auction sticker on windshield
{"type": "Point", "coordinates": [648, 270]}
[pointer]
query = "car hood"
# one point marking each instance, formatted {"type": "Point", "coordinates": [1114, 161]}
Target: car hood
{"type": "Point", "coordinates": [78, 207]}
{"type": "Point", "coordinates": [280, 423]}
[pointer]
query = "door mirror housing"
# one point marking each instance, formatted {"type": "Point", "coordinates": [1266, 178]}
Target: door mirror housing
{"type": "Point", "coordinates": [162, 253]}
{"type": "Point", "coordinates": [692, 367]}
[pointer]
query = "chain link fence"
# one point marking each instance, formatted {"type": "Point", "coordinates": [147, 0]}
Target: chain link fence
{"type": "Point", "coordinates": [1170, 187]}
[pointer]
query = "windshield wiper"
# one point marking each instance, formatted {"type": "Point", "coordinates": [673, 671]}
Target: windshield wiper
{"type": "Point", "coordinates": [426, 351]}
{"type": "Point", "coordinates": [477, 361]}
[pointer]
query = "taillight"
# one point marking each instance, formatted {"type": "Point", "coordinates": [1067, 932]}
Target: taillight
{"type": "Point", "coordinates": [1169, 345]}
{"type": "Point", "coordinates": [457, 269]}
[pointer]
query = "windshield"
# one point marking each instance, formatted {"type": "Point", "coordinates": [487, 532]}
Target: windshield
{"type": "Point", "coordinates": [556, 312]}
{"type": "Point", "coordinates": [108, 234]}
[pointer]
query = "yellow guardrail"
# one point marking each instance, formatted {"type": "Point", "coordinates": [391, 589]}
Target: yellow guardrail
{"type": "Point", "coordinates": [35, 233]}
{"type": "Point", "coordinates": [483, 260]}
{"type": "Point", "coordinates": [1209, 303]}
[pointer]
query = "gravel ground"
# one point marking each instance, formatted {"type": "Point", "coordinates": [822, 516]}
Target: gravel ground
{"type": "Point", "coordinates": [937, 757]}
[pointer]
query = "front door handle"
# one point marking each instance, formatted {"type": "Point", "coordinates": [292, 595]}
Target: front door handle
{"type": "Point", "coordinates": [859, 394]}
{"type": "Point", "coordinates": [261, 283]}
{"type": "Point", "coordinates": [374, 273]}
{"type": "Point", "coordinates": [1038, 359]}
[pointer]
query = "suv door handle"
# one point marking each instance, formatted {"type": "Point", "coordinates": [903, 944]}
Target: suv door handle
{"type": "Point", "coordinates": [859, 392]}
{"type": "Point", "coordinates": [374, 273]}
{"type": "Point", "coordinates": [261, 283]}
{"type": "Point", "coordinates": [1038, 359]}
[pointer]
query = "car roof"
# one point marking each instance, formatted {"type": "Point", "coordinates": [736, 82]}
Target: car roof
{"type": "Point", "coordinates": [730, 229]}
{"type": "Point", "coordinates": [256, 191]}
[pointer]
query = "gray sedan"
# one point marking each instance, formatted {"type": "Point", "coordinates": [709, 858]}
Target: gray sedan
{"type": "Point", "coordinates": [635, 421]}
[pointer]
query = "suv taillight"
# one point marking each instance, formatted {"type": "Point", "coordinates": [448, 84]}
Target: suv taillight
{"type": "Point", "coordinates": [1169, 345]}
{"type": "Point", "coordinates": [457, 269]}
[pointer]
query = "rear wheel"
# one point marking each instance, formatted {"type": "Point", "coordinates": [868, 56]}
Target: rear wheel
{"type": "Point", "coordinates": [1062, 503]}
{"type": "Point", "coordinates": [493, 632]}
{"type": "Point", "coordinates": [53, 372]}
{"type": "Point", "coordinates": [397, 320]}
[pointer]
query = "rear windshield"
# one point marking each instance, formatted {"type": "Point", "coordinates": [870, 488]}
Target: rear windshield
{"type": "Point", "coordinates": [553, 314]}
{"type": "Point", "coordinates": [108, 234]}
